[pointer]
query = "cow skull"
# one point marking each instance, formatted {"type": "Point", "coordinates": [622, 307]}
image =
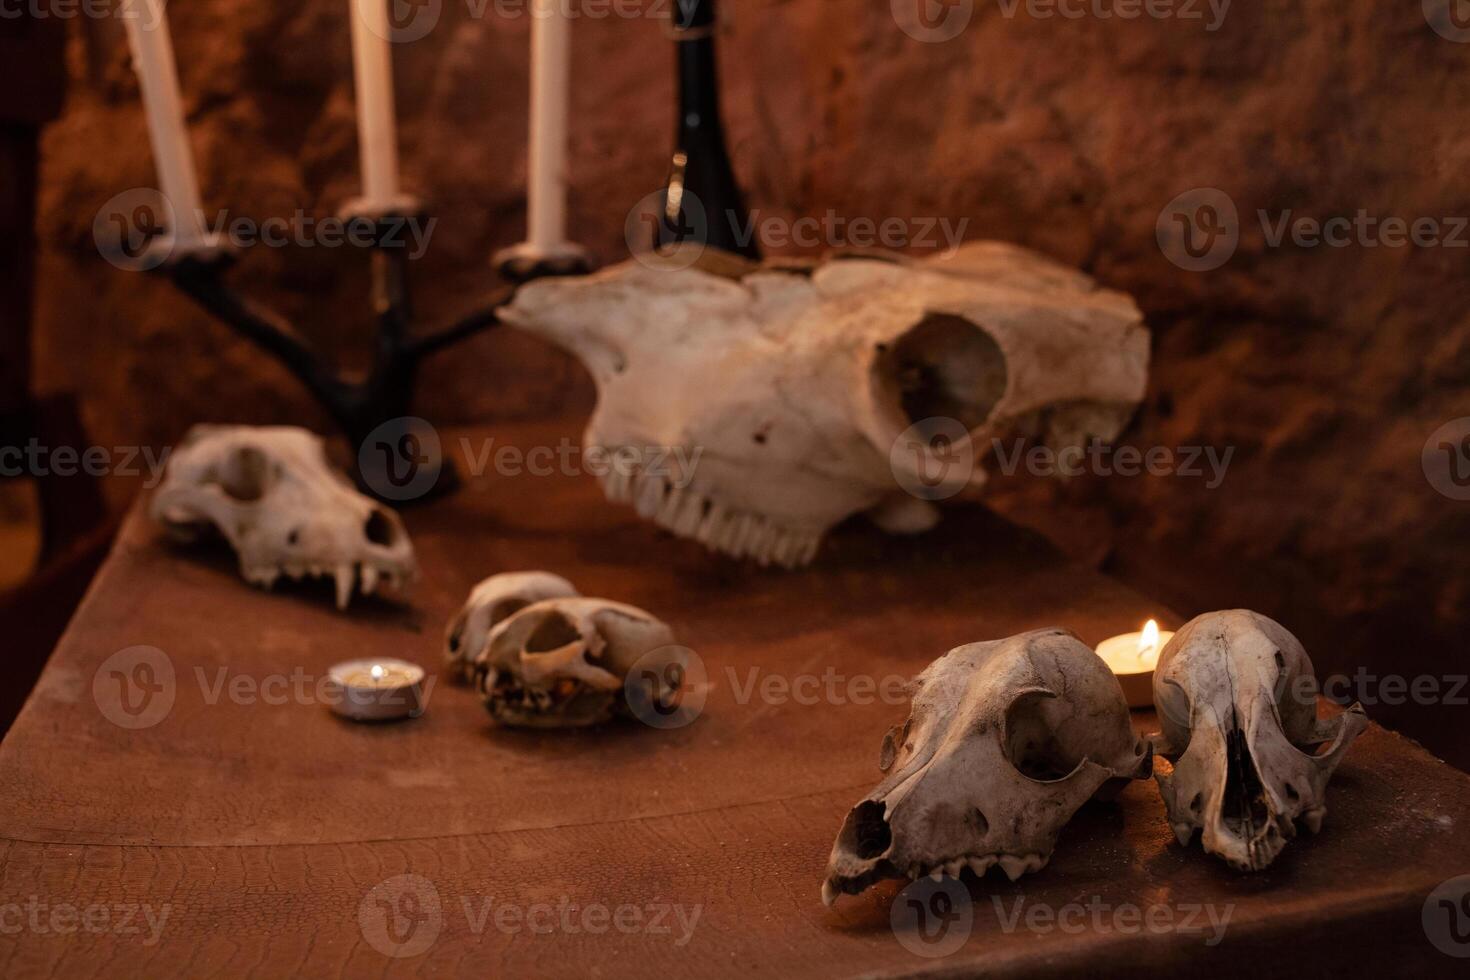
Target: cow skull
{"type": "Point", "coordinates": [1005, 741]}
{"type": "Point", "coordinates": [272, 494]}
{"type": "Point", "coordinates": [752, 413]}
{"type": "Point", "coordinates": [1237, 701]}
{"type": "Point", "coordinates": [563, 663]}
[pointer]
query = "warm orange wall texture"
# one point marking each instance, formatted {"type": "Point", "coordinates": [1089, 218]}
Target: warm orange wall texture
{"type": "Point", "coordinates": [1325, 368]}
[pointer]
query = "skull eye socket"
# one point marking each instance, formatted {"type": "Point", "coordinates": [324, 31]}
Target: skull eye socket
{"type": "Point", "coordinates": [456, 631]}
{"type": "Point", "coordinates": [506, 608]}
{"type": "Point", "coordinates": [379, 529]}
{"type": "Point", "coordinates": [1173, 704]}
{"type": "Point", "coordinates": [552, 633]}
{"type": "Point", "coordinates": [945, 367]}
{"type": "Point", "coordinates": [245, 475]}
{"type": "Point", "coordinates": [1031, 743]}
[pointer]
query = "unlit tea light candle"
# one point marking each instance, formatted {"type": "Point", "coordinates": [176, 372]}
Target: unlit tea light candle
{"type": "Point", "coordinates": [377, 690]}
{"type": "Point", "coordinates": [1132, 658]}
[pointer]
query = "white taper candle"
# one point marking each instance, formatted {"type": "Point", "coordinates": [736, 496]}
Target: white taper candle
{"type": "Point", "coordinates": [377, 130]}
{"type": "Point", "coordinates": [153, 60]}
{"type": "Point", "coordinates": [546, 193]}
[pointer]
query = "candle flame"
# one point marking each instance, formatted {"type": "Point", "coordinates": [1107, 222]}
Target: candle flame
{"type": "Point", "coordinates": [377, 672]}
{"type": "Point", "coordinates": [1148, 642]}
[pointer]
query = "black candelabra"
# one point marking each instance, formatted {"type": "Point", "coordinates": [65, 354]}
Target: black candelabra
{"type": "Point", "coordinates": [383, 394]}
{"type": "Point", "coordinates": [366, 408]}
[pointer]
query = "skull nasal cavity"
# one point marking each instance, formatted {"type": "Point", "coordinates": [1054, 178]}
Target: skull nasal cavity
{"type": "Point", "coordinates": [379, 529]}
{"type": "Point", "coordinates": [945, 367]}
{"type": "Point", "coordinates": [555, 632]}
{"type": "Point", "coordinates": [244, 475]}
{"type": "Point", "coordinates": [866, 833]}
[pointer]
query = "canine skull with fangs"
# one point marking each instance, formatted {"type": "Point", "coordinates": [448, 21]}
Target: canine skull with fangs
{"type": "Point", "coordinates": [272, 494]}
{"type": "Point", "coordinates": [564, 663]}
{"type": "Point", "coordinates": [1237, 701]}
{"type": "Point", "coordinates": [1005, 741]}
{"type": "Point", "coordinates": [805, 397]}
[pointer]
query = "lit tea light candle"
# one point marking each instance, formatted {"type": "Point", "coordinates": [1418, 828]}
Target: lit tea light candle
{"type": "Point", "coordinates": [377, 690]}
{"type": "Point", "coordinates": [1132, 658]}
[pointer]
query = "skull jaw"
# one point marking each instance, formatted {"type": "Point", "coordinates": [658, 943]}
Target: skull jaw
{"type": "Point", "coordinates": [1245, 788]}
{"type": "Point", "coordinates": [564, 704]}
{"type": "Point", "coordinates": [733, 524]}
{"type": "Point", "coordinates": [937, 841]}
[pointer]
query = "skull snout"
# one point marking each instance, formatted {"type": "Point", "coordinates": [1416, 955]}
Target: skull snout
{"type": "Point", "coordinates": [1218, 787]}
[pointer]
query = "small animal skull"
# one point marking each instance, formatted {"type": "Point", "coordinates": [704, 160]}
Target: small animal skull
{"type": "Point", "coordinates": [754, 413]}
{"type": "Point", "coordinates": [1237, 701]}
{"type": "Point", "coordinates": [492, 602]}
{"type": "Point", "coordinates": [272, 494]}
{"type": "Point", "coordinates": [563, 663]}
{"type": "Point", "coordinates": [1005, 741]}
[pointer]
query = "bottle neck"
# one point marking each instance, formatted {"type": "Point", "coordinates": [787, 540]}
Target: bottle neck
{"type": "Point", "coordinates": [701, 167]}
{"type": "Point", "coordinates": [699, 102]}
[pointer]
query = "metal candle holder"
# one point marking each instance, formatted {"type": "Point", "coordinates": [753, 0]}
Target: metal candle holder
{"type": "Point", "coordinates": [364, 408]}
{"type": "Point", "coordinates": [358, 406]}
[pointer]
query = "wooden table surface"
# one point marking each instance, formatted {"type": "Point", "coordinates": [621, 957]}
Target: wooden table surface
{"type": "Point", "coordinates": [246, 831]}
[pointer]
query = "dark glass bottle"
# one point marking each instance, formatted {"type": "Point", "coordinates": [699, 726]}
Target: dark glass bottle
{"type": "Point", "coordinates": [701, 167]}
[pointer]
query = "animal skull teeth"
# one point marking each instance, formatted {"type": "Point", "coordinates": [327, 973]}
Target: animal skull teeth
{"type": "Point", "coordinates": [689, 513]}
{"type": "Point", "coordinates": [566, 662]}
{"type": "Point", "coordinates": [272, 494]}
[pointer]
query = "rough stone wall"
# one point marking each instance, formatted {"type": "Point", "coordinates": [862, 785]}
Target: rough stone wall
{"type": "Point", "coordinates": [1324, 368]}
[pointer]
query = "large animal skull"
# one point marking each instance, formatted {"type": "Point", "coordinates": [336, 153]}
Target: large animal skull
{"type": "Point", "coordinates": [271, 492]}
{"type": "Point", "coordinates": [799, 396]}
{"type": "Point", "coordinates": [563, 663]}
{"type": "Point", "coordinates": [1005, 741]}
{"type": "Point", "coordinates": [1237, 700]}
{"type": "Point", "coordinates": [492, 602]}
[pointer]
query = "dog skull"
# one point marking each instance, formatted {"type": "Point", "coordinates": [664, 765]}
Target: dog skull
{"type": "Point", "coordinates": [1237, 701]}
{"type": "Point", "coordinates": [1005, 741]}
{"type": "Point", "coordinates": [491, 602]}
{"type": "Point", "coordinates": [753, 414]}
{"type": "Point", "coordinates": [272, 494]}
{"type": "Point", "coordinates": [563, 663]}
